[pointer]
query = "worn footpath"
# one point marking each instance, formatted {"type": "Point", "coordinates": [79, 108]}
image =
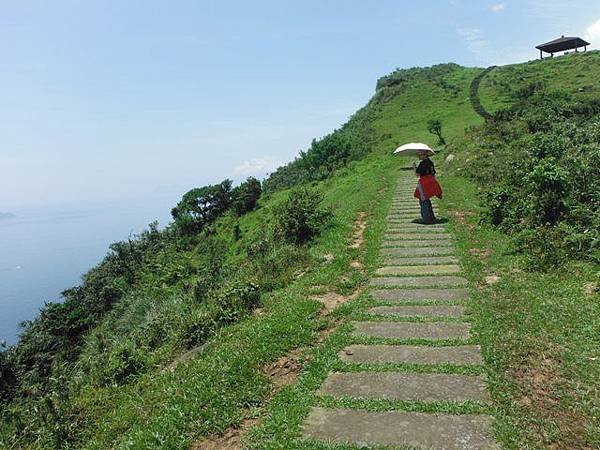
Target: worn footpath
{"type": "Point", "coordinates": [416, 362]}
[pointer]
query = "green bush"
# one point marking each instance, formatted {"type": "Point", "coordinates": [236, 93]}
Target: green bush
{"type": "Point", "coordinates": [272, 261]}
{"type": "Point", "coordinates": [299, 218]}
{"type": "Point", "coordinates": [244, 197]}
{"type": "Point", "coordinates": [125, 361]}
{"type": "Point", "coordinates": [538, 166]}
{"type": "Point", "coordinates": [225, 306]}
{"type": "Point", "coordinates": [200, 207]}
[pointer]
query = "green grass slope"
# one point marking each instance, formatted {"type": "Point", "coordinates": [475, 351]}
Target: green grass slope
{"type": "Point", "coordinates": [140, 380]}
{"type": "Point", "coordinates": [578, 74]}
{"type": "Point", "coordinates": [537, 330]}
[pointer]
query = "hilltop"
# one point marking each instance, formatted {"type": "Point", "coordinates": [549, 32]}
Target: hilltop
{"type": "Point", "coordinates": [227, 321]}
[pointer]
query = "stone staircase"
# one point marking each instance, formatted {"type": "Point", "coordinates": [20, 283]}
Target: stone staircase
{"type": "Point", "coordinates": [406, 352]}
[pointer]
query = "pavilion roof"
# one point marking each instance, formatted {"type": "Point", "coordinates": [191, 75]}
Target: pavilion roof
{"type": "Point", "coordinates": [562, 43]}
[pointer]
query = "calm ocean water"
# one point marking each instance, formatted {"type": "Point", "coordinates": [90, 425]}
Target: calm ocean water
{"type": "Point", "coordinates": [43, 252]}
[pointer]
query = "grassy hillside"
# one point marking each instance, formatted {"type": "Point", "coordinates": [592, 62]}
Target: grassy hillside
{"type": "Point", "coordinates": [201, 330]}
{"type": "Point", "coordinates": [577, 74]}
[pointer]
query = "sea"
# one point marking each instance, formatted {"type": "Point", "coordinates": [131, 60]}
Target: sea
{"type": "Point", "coordinates": [45, 250]}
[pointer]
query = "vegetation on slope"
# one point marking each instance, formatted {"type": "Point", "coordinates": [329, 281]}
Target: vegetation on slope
{"type": "Point", "coordinates": [538, 165]}
{"type": "Point", "coordinates": [527, 221]}
{"type": "Point", "coordinates": [93, 368]}
{"type": "Point", "coordinates": [167, 340]}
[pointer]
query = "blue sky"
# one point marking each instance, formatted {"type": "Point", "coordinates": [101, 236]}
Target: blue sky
{"type": "Point", "coordinates": [116, 99]}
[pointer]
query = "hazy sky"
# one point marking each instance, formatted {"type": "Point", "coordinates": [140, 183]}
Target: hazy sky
{"type": "Point", "coordinates": [107, 99]}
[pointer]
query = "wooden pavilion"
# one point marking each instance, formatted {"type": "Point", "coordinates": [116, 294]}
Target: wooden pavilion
{"type": "Point", "coordinates": [562, 44]}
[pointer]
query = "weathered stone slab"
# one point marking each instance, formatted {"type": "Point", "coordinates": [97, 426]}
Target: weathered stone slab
{"type": "Point", "coordinates": [408, 227]}
{"type": "Point", "coordinates": [392, 223]}
{"type": "Point", "coordinates": [417, 243]}
{"type": "Point", "coordinates": [418, 311]}
{"type": "Point", "coordinates": [430, 260]}
{"type": "Point", "coordinates": [424, 281]}
{"type": "Point", "coordinates": [400, 252]}
{"type": "Point", "coordinates": [423, 387]}
{"type": "Point", "coordinates": [406, 222]}
{"type": "Point", "coordinates": [400, 211]}
{"type": "Point", "coordinates": [415, 430]}
{"type": "Point", "coordinates": [419, 270]}
{"type": "Point", "coordinates": [392, 229]}
{"type": "Point", "coordinates": [402, 208]}
{"type": "Point", "coordinates": [404, 215]}
{"type": "Point", "coordinates": [394, 234]}
{"type": "Point", "coordinates": [412, 354]}
{"type": "Point", "coordinates": [397, 295]}
{"type": "Point", "coordinates": [413, 330]}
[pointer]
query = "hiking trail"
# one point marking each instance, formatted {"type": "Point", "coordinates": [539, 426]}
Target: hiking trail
{"type": "Point", "coordinates": [414, 359]}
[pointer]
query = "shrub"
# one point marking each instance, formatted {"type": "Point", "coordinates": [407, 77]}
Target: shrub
{"type": "Point", "coordinates": [8, 378]}
{"type": "Point", "coordinates": [224, 306]}
{"type": "Point", "coordinates": [125, 361]}
{"type": "Point", "coordinates": [244, 198]}
{"type": "Point", "coordinates": [542, 180]}
{"type": "Point", "coordinates": [202, 206]}
{"type": "Point", "coordinates": [299, 218]}
{"type": "Point", "coordinates": [434, 126]}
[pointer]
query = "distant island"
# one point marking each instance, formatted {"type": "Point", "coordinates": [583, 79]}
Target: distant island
{"type": "Point", "coordinates": [6, 215]}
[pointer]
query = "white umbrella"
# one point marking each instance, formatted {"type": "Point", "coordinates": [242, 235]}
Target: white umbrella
{"type": "Point", "coordinates": [414, 148]}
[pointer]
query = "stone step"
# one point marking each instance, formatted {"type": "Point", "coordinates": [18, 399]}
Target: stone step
{"type": "Point", "coordinates": [391, 223]}
{"type": "Point", "coordinates": [417, 387]}
{"type": "Point", "coordinates": [420, 236]}
{"type": "Point", "coordinates": [407, 295]}
{"type": "Point", "coordinates": [417, 243]}
{"type": "Point", "coordinates": [419, 229]}
{"type": "Point", "coordinates": [425, 281]}
{"type": "Point", "coordinates": [405, 208]}
{"type": "Point", "coordinates": [400, 252]}
{"type": "Point", "coordinates": [418, 311]}
{"type": "Point", "coordinates": [414, 227]}
{"type": "Point", "coordinates": [398, 428]}
{"type": "Point", "coordinates": [425, 261]}
{"type": "Point", "coordinates": [465, 355]}
{"type": "Point", "coordinates": [402, 220]}
{"type": "Point", "coordinates": [396, 209]}
{"type": "Point", "coordinates": [419, 270]}
{"type": "Point", "coordinates": [404, 214]}
{"type": "Point", "coordinates": [433, 331]}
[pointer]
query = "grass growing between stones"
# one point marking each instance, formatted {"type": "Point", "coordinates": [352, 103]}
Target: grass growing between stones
{"type": "Point", "coordinates": [282, 427]}
{"type": "Point", "coordinates": [539, 334]}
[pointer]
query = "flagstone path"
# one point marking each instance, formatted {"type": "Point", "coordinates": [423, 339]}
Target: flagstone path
{"type": "Point", "coordinates": [411, 347]}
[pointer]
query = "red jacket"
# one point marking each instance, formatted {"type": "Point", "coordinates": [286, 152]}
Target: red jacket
{"type": "Point", "coordinates": [430, 187]}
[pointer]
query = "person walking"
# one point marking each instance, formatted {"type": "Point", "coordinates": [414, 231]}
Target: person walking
{"type": "Point", "coordinates": [427, 187]}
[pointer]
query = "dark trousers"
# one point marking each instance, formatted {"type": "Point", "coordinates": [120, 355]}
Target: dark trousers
{"type": "Point", "coordinates": [427, 211]}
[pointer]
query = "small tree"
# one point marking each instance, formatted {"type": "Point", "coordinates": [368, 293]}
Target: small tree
{"type": "Point", "coordinates": [245, 197]}
{"type": "Point", "coordinates": [300, 217]}
{"type": "Point", "coordinates": [434, 126]}
{"type": "Point", "coordinates": [202, 206]}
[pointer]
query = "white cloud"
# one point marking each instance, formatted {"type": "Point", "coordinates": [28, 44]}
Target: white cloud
{"type": "Point", "coordinates": [592, 33]}
{"type": "Point", "coordinates": [475, 40]}
{"type": "Point", "coordinates": [489, 54]}
{"type": "Point", "coordinates": [497, 7]}
{"type": "Point", "coordinates": [257, 167]}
